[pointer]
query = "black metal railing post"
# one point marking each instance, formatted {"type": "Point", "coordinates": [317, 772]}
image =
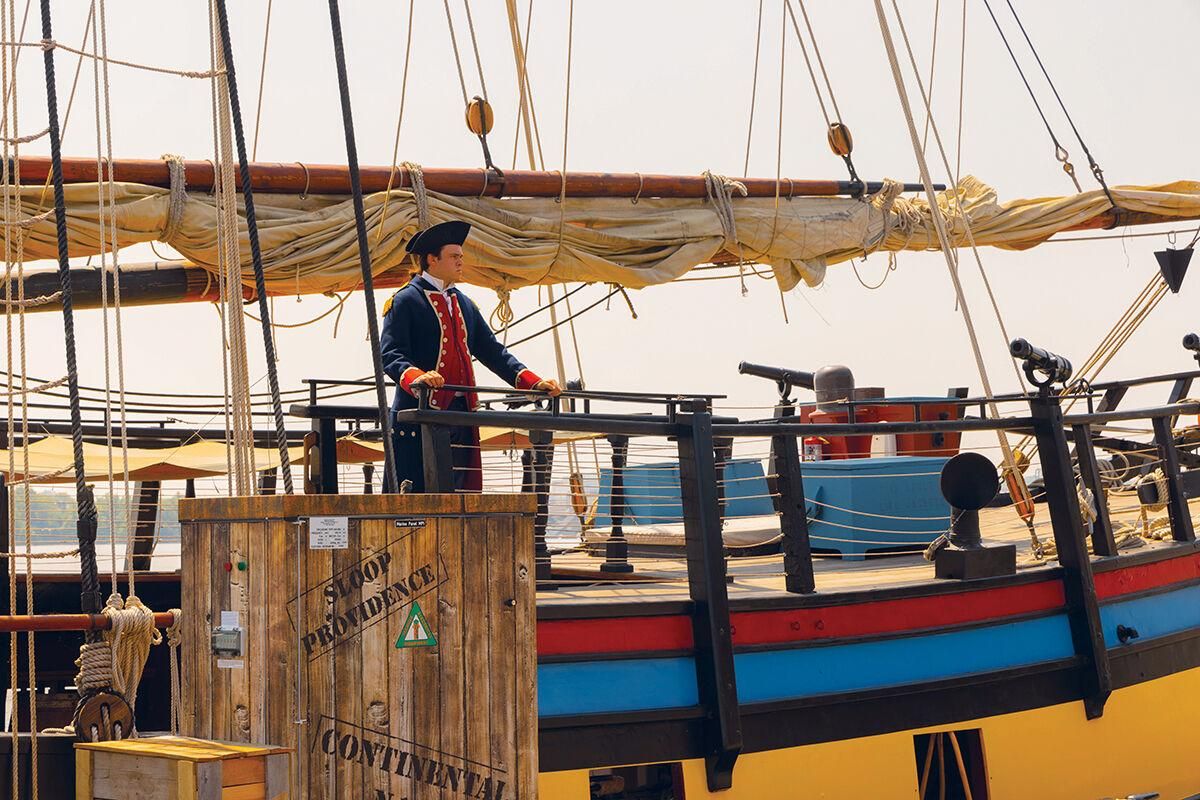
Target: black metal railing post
{"type": "Point", "coordinates": [1103, 541]}
{"type": "Point", "coordinates": [706, 584]}
{"type": "Point", "coordinates": [437, 455]}
{"type": "Point", "coordinates": [616, 549]}
{"type": "Point", "coordinates": [327, 455]}
{"type": "Point", "coordinates": [541, 466]}
{"type": "Point", "coordinates": [793, 516]}
{"type": "Point", "coordinates": [368, 471]}
{"type": "Point", "coordinates": [1083, 610]}
{"type": "Point", "coordinates": [1177, 506]}
{"type": "Point", "coordinates": [722, 455]}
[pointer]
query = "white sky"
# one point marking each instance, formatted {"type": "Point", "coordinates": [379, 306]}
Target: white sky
{"type": "Point", "coordinates": [664, 87]}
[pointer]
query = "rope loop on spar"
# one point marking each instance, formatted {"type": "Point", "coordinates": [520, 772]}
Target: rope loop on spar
{"type": "Point", "coordinates": [52, 44]}
{"type": "Point", "coordinates": [178, 194]}
{"type": "Point", "coordinates": [719, 190]}
{"type": "Point", "coordinates": [416, 178]}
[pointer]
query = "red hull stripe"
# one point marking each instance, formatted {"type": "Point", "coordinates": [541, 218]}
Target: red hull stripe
{"type": "Point", "coordinates": [674, 633]}
{"type": "Point", "coordinates": [1147, 576]}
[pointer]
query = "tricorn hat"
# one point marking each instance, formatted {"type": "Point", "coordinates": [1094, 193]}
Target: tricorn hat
{"type": "Point", "coordinates": [432, 240]}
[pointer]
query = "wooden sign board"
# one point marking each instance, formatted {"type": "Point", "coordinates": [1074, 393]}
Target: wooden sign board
{"type": "Point", "coordinates": [388, 639]}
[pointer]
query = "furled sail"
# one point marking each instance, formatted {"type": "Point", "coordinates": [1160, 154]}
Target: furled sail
{"type": "Point", "coordinates": [308, 241]}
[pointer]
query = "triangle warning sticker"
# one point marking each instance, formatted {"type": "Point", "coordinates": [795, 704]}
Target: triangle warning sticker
{"type": "Point", "coordinates": [416, 631]}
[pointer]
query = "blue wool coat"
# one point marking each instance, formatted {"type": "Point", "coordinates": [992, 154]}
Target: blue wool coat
{"type": "Point", "coordinates": [412, 342]}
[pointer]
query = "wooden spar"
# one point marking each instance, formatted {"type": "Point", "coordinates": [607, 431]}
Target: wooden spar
{"type": "Point", "coordinates": [297, 178]}
{"type": "Point", "coordinates": [70, 622]}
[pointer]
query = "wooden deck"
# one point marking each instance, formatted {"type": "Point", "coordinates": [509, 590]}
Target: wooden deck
{"type": "Point", "coordinates": [665, 579]}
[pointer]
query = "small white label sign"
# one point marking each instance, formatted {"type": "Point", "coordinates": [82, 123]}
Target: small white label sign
{"type": "Point", "coordinates": [328, 533]}
{"type": "Point", "coordinates": [231, 619]}
{"type": "Point", "coordinates": [230, 663]}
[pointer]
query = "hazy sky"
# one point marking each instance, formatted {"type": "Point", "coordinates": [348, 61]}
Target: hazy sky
{"type": "Point", "coordinates": [665, 87]}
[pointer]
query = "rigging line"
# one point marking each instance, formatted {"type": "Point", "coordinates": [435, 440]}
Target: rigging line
{"type": "Point", "coordinates": [753, 89]}
{"type": "Point", "coordinates": [579, 369]}
{"type": "Point", "coordinates": [360, 225]}
{"type": "Point", "coordinates": [102, 225]}
{"type": "Point", "coordinates": [262, 81]}
{"type": "Point", "coordinates": [837, 112]}
{"type": "Point", "coordinates": [537, 133]}
{"type": "Point", "coordinates": [335, 307]}
{"type": "Point", "coordinates": [811, 72]}
{"type": "Point", "coordinates": [520, 56]}
{"type": "Point", "coordinates": [1060, 152]}
{"type": "Point", "coordinates": [937, 11]}
{"type": "Point", "coordinates": [387, 196]}
{"type": "Point", "coordinates": [50, 44]}
{"type": "Point", "coordinates": [940, 224]}
{"type": "Point", "coordinates": [962, 68]}
{"type": "Point", "coordinates": [475, 47]}
{"type": "Point", "coordinates": [219, 307]}
{"type": "Point", "coordinates": [462, 81]}
{"type": "Point", "coordinates": [255, 251]}
{"type": "Point", "coordinates": [846, 159]}
{"type": "Point", "coordinates": [116, 264]}
{"type": "Point", "coordinates": [7, 12]}
{"type": "Point", "coordinates": [1096, 171]}
{"type": "Point", "coordinates": [559, 364]}
{"type": "Point", "coordinates": [85, 504]}
{"type": "Point", "coordinates": [579, 313]}
{"type": "Point", "coordinates": [778, 168]}
{"type": "Point", "coordinates": [10, 87]}
{"type": "Point", "coordinates": [970, 235]}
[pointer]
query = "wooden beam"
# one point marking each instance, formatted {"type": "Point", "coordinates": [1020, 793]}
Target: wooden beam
{"type": "Point", "coordinates": [297, 178]}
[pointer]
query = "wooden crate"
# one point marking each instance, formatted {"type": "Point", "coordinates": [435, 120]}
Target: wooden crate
{"type": "Point", "coordinates": [177, 768]}
{"type": "Point", "coordinates": [380, 701]}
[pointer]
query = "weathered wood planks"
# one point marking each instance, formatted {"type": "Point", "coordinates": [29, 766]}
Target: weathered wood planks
{"type": "Point", "coordinates": [176, 768]}
{"type": "Point", "coordinates": [412, 638]}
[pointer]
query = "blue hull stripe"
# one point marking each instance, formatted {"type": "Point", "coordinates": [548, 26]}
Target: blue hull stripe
{"type": "Point", "coordinates": [1153, 616]}
{"type": "Point", "coordinates": [591, 687]}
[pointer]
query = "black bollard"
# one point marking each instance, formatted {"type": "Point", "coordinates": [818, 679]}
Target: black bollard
{"type": "Point", "coordinates": [969, 482]}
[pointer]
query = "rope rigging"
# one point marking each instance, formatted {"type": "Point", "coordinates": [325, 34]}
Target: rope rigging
{"type": "Point", "coordinates": [753, 88]}
{"type": "Point", "coordinates": [839, 135]}
{"type": "Point", "coordinates": [939, 221]}
{"type": "Point", "coordinates": [1097, 173]}
{"type": "Point", "coordinates": [364, 250]}
{"type": "Point", "coordinates": [255, 248]}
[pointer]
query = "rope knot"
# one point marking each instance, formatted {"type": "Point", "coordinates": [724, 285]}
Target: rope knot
{"type": "Point", "coordinates": [719, 191]}
{"type": "Point", "coordinates": [416, 177]}
{"type": "Point", "coordinates": [178, 175]}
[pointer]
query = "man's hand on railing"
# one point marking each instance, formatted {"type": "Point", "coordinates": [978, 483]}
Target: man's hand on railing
{"type": "Point", "coordinates": [549, 386]}
{"type": "Point", "coordinates": [432, 379]}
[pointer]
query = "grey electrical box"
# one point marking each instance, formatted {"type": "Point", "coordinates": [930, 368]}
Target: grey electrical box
{"type": "Point", "coordinates": [227, 642]}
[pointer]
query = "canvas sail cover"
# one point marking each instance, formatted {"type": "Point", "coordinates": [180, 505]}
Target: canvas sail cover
{"type": "Point", "coordinates": [309, 244]}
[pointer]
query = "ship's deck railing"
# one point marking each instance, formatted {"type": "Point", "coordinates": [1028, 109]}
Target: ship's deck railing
{"type": "Point", "coordinates": [702, 443]}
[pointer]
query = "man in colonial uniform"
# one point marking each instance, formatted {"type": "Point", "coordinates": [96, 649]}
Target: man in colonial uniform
{"type": "Point", "coordinates": [431, 332]}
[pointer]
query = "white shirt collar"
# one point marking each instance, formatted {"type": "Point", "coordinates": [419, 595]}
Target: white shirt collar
{"type": "Point", "coordinates": [437, 283]}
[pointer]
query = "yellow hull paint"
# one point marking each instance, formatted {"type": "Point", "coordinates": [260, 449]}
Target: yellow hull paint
{"type": "Point", "coordinates": [1146, 742]}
